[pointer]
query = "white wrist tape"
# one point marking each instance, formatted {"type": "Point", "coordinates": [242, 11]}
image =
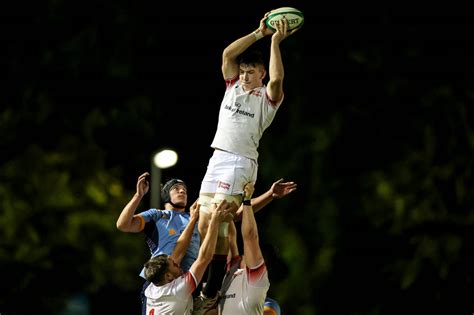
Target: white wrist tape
{"type": "Point", "coordinates": [205, 204]}
{"type": "Point", "coordinates": [258, 34]}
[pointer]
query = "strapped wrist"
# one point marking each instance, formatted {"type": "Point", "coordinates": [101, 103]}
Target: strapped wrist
{"type": "Point", "coordinates": [258, 34]}
{"type": "Point", "coordinates": [246, 202]}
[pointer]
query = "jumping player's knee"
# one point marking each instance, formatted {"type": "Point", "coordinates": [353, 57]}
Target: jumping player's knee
{"type": "Point", "coordinates": [237, 199]}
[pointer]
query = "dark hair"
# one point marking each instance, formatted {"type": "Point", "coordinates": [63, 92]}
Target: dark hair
{"type": "Point", "coordinates": [251, 57]}
{"type": "Point", "coordinates": [165, 190]}
{"type": "Point", "coordinates": [156, 268]}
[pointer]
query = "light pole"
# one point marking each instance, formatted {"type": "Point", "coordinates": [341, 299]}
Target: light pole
{"type": "Point", "coordinates": [160, 159]}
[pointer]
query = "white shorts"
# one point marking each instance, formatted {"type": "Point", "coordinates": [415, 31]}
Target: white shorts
{"type": "Point", "coordinates": [227, 173]}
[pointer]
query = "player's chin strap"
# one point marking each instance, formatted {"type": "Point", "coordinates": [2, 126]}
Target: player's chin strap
{"type": "Point", "coordinates": [175, 205]}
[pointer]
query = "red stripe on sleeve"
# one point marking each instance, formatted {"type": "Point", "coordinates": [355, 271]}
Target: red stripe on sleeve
{"type": "Point", "coordinates": [189, 279]}
{"type": "Point", "coordinates": [254, 275]}
{"type": "Point", "coordinates": [230, 82]}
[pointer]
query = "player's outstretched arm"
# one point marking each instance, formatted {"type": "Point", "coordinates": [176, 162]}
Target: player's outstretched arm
{"type": "Point", "coordinates": [276, 69]}
{"type": "Point", "coordinates": [252, 252]}
{"type": "Point", "coordinates": [279, 189]}
{"type": "Point", "coordinates": [127, 221]}
{"type": "Point", "coordinates": [206, 251]}
{"type": "Point", "coordinates": [184, 239]}
{"type": "Point", "coordinates": [230, 68]}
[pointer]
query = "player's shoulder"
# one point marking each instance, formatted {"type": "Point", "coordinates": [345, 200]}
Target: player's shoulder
{"type": "Point", "coordinates": [232, 82]}
{"type": "Point", "coordinates": [165, 214]}
{"type": "Point", "coordinates": [156, 214]}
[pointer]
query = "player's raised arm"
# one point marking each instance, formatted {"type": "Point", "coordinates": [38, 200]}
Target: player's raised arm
{"type": "Point", "coordinates": [230, 67]}
{"type": "Point", "coordinates": [127, 221]}
{"type": "Point", "coordinates": [252, 252]}
{"type": "Point", "coordinates": [218, 213]}
{"type": "Point", "coordinates": [185, 238]}
{"type": "Point", "coordinates": [279, 189]}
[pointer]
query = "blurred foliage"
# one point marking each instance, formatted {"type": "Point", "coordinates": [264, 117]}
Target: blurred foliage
{"type": "Point", "coordinates": [378, 134]}
{"type": "Point", "coordinates": [58, 234]}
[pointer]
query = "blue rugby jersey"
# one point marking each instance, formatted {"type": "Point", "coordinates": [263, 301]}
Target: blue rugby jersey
{"type": "Point", "coordinates": [271, 306]}
{"type": "Point", "coordinates": [162, 230]}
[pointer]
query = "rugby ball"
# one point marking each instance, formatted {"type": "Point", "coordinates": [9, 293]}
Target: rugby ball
{"type": "Point", "coordinates": [294, 17]}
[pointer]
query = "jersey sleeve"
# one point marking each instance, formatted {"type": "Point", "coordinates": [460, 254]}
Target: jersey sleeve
{"type": "Point", "coordinates": [271, 102]}
{"type": "Point", "coordinates": [257, 286]}
{"type": "Point", "coordinates": [258, 276]}
{"type": "Point", "coordinates": [185, 285]}
{"type": "Point", "coordinates": [150, 215]}
{"type": "Point", "coordinates": [231, 82]}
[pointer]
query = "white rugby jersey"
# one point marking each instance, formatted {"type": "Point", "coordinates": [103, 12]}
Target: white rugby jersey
{"type": "Point", "coordinates": [243, 117]}
{"type": "Point", "coordinates": [174, 297]}
{"type": "Point", "coordinates": [246, 294]}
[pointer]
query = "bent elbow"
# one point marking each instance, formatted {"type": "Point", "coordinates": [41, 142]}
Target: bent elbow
{"type": "Point", "coordinates": [121, 227]}
{"type": "Point", "coordinates": [226, 55]}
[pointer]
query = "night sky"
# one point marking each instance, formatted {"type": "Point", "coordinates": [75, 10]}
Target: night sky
{"type": "Point", "coordinates": [355, 74]}
{"type": "Point", "coordinates": [171, 53]}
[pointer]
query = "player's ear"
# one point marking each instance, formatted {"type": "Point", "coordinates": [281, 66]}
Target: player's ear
{"type": "Point", "coordinates": [264, 73]}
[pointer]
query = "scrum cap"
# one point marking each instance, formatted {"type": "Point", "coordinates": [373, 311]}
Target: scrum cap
{"type": "Point", "coordinates": [165, 190]}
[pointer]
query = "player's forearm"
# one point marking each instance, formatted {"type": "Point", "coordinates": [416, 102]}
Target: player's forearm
{"type": "Point", "coordinates": [183, 241]}
{"type": "Point", "coordinates": [237, 47]}
{"type": "Point", "coordinates": [257, 204]}
{"type": "Point", "coordinates": [249, 225]}
{"type": "Point", "coordinates": [261, 201]}
{"type": "Point", "coordinates": [124, 221]}
{"type": "Point", "coordinates": [276, 70]}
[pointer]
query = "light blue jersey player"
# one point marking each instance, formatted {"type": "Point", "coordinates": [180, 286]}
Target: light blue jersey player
{"type": "Point", "coordinates": [163, 232]}
{"type": "Point", "coordinates": [162, 228]}
{"type": "Point", "coordinates": [271, 307]}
